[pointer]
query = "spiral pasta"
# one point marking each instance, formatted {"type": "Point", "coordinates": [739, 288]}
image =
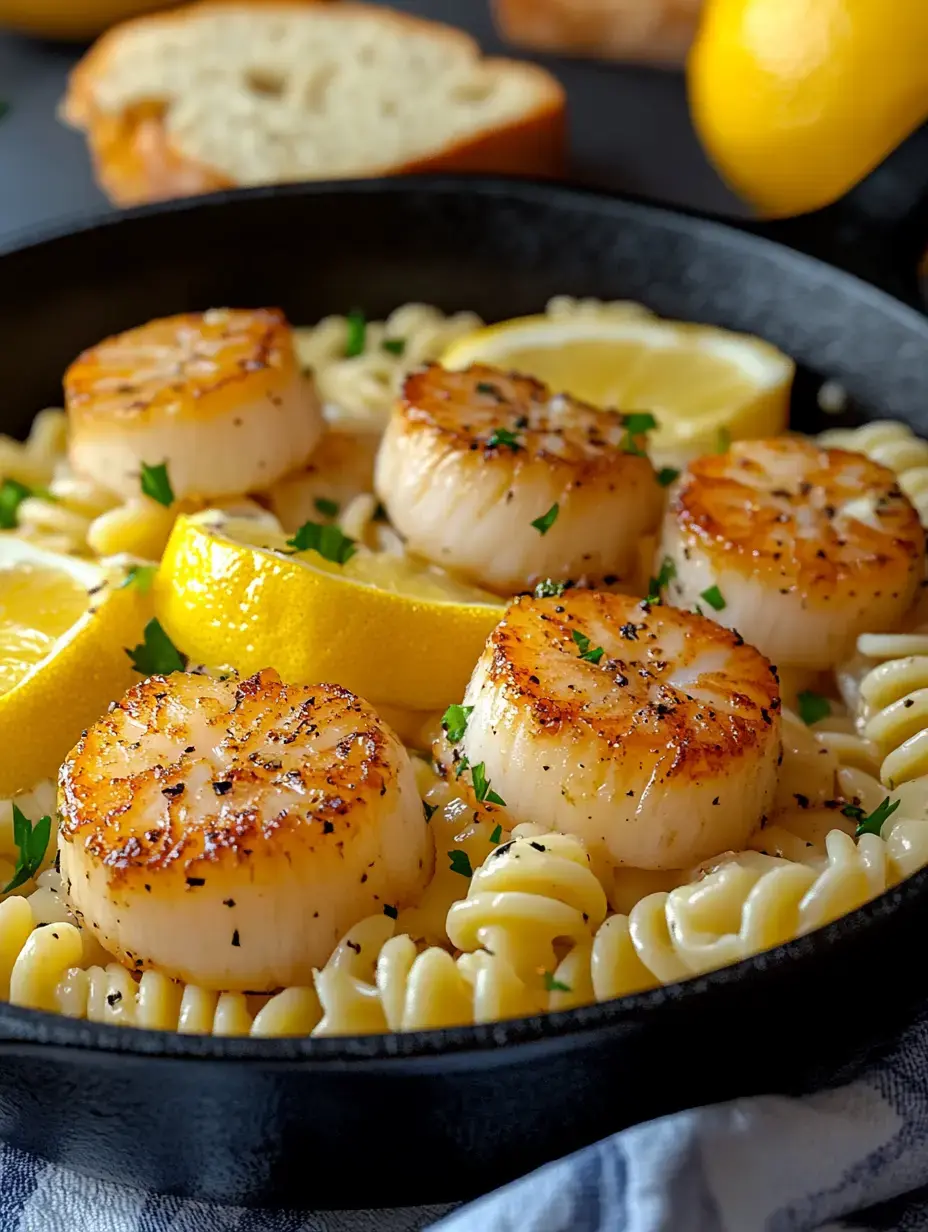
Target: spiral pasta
{"type": "Point", "coordinates": [895, 446]}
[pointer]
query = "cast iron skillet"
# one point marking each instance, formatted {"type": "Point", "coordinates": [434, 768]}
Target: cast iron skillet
{"type": "Point", "coordinates": [438, 1116]}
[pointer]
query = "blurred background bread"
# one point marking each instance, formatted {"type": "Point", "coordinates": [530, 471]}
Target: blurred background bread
{"type": "Point", "coordinates": [657, 31]}
{"type": "Point", "coordinates": [247, 92]}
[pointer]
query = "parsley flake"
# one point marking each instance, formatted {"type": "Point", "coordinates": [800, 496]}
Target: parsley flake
{"type": "Point", "coordinates": [812, 707]}
{"type": "Point", "coordinates": [666, 574]}
{"type": "Point", "coordinates": [462, 765]}
{"type": "Point", "coordinates": [454, 721]}
{"type": "Point", "coordinates": [723, 441]}
{"type": "Point", "coordinates": [547, 520]}
{"type": "Point", "coordinates": [328, 508]}
{"type": "Point", "coordinates": [877, 819]}
{"type": "Point", "coordinates": [157, 484]}
{"type": "Point", "coordinates": [554, 985]}
{"type": "Point", "coordinates": [32, 843]}
{"type": "Point", "coordinates": [329, 541]}
{"type": "Point", "coordinates": [390, 911]}
{"type": "Point", "coordinates": [460, 863]}
{"type": "Point", "coordinates": [497, 834]}
{"type": "Point", "coordinates": [594, 655]}
{"type": "Point", "coordinates": [583, 645]}
{"type": "Point", "coordinates": [12, 495]}
{"type": "Point", "coordinates": [394, 346]}
{"type": "Point", "coordinates": [714, 597]}
{"type": "Point", "coordinates": [638, 423]}
{"type": "Point", "coordinates": [357, 334]}
{"type": "Point", "coordinates": [141, 577]}
{"type": "Point", "coordinates": [549, 590]}
{"type": "Point", "coordinates": [500, 437]}
{"type": "Point", "coordinates": [482, 788]}
{"type": "Point", "coordinates": [157, 655]}
{"type": "Point", "coordinates": [666, 475]}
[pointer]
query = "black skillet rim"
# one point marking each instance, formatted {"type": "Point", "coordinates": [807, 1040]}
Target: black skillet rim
{"type": "Point", "coordinates": [20, 1026]}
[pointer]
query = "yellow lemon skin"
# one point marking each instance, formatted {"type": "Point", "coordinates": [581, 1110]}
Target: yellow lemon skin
{"type": "Point", "coordinates": [48, 703]}
{"type": "Point", "coordinates": [225, 603]}
{"type": "Point", "coordinates": [71, 19]}
{"type": "Point", "coordinates": [796, 101]}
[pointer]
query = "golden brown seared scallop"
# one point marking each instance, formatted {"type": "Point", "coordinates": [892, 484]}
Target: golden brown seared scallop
{"type": "Point", "coordinates": [807, 547]}
{"type": "Point", "coordinates": [470, 460]}
{"type": "Point", "coordinates": [650, 733]}
{"type": "Point", "coordinates": [229, 832]}
{"type": "Point", "coordinates": [218, 396]}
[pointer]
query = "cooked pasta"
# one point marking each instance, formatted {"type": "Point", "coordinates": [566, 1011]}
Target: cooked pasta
{"type": "Point", "coordinates": [894, 445]}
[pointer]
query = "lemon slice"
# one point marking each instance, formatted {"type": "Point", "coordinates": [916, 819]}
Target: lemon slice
{"type": "Point", "coordinates": [703, 385]}
{"type": "Point", "coordinates": [64, 626]}
{"type": "Point", "coordinates": [231, 593]}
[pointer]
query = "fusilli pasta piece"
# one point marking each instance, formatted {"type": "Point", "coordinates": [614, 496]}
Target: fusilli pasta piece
{"type": "Point", "coordinates": [893, 445]}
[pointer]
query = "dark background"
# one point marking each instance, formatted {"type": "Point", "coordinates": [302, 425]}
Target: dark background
{"type": "Point", "coordinates": [629, 125]}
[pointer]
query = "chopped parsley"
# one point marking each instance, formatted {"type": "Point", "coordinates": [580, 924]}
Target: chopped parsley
{"type": "Point", "coordinates": [583, 644]}
{"type": "Point", "coordinates": [547, 520]}
{"type": "Point", "coordinates": [329, 541]}
{"type": "Point", "coordinates": [666, 573]}
{"type": "Point", "coordinates": [157, 655]}
{"type": "Point", "coordinates": [31, 842]}
{"type": "Point", "coordinates": [394, 346]}
{"type": "Point", "coordinates": [497, 834]}
{"type": "Point", "coordinates": [553, 985]}
{"type": "Point", "coordinates": [462, 765]}
{"type": "Point", "coordinates": [638, 423]}
{"type": "Point", "coordinates": [12, 495]}
{"type": "Point", "coordinates": [328, 508]}
{"type": "Point", "coordinates": [549, 590]}
{"type": "Point", "coordinates": [141, 577]}
{"type": "Point", "coordinates": [482, 789]}
{"type": "Point", "coordinates": [390, 911]}
{"type": "Point", "coordinates": [454, 722]}
{"type": "Point", "coordinates": [428, 809]}
{"type": "Point", "coordinates": [812, 707]}
{"type": "Point", "coordinates": [500, 437]}
{"type": "Point", "coordinates": [876, 820]}
{"type": "Point", "coordinates": [666, 475]}
{"type": "Point", "coordinates": [723, 441]}
{"type": "Point", "coordinates": [156, 483]}
{"type": "Point", "coordinates": [357, 334]}
{"type": "Point", "coordinates": [714, 597]}
{"type": "Point", "coordinates": [460, 862]}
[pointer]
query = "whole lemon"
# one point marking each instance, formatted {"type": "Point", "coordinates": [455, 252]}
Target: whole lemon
{"type": "Point", "coordinates": [797, 100]}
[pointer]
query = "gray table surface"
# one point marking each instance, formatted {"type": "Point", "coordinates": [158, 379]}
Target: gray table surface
{"type": "Point", "coordinates": [629, 127]}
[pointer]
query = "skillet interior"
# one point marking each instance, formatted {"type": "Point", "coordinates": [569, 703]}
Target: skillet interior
{"type": "Point", "coordinates": [451, 1113]}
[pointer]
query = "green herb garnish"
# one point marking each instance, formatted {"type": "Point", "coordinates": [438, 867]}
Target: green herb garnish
{"type": "Point", "coordinates": [497, 834]}
{"type": "Point", "coordinates": [714, 597]}
{"type": "Point", "coordinates": [812, 707]}
{"type": "Point", "coordinates": [157, 484]}
{"type": "Point", "coordinates": [394, 346]}
{"type": "Point", "coordinates": [460, 863]}
{"type": "Point", "coordinates": [547, 520]}
{"type": "Point", "coordinates": [482, 788]}
{"type": "Point", "coordinates": [390, 911]}
{"type": "Point", "coordinates": [32, 843]}
{"type": "Point", "coordinates": [502, 436]}
{"type": "Point", "coordinates": [454, 721]}
{"type": "Point", "coordinates": [462, 765]}
{"type": "Point", "coordinates": [157, 655]}
{"type": "Point", "coordinates": [328, 508]}
{"type": "Point", "coordinates": [329, 541]}
{"type": "Point", "coordinates": [12, 495]}
{"type": "Point", "coordinates": [357, 334]}
{"type": "Point", "coordinates": [666, 475]}
{"type": "Point", "coordinates": [583, 644]}
{"type": "Point", "coordinates": [666, 574]}
{"type": "Point", "coordinates": [638, 423]}
{"type": "Point", "coordinates": [723, 441]}
{"type": "Point", "coordinates": [548, 589]}
{"type": "Point", "coordinates": [141, 577]}
{"type": "Point", "coordinates": [553, 985]}
{"type": "Point", "coordinates": [877, 819]}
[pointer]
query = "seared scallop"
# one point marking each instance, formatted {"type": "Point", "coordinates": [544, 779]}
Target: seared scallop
{"type": "Point", "coordinates": [500, 480]}
{"type": "Point", "coordinates": [229, 832]}
{"type": "Point", "coordinates": [218, 396]}
{"type": "Point", "coordinates": [799, 548]}
{"type": "Point", "coordinates": [650, 733]}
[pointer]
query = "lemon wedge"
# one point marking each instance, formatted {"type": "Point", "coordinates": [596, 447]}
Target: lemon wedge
{"type": "Point", "coordinates": [232, 593]}
{"type": "Point", "coordinates": [64, 626]}
{"type": "Point", "coordinates": [703, 385]}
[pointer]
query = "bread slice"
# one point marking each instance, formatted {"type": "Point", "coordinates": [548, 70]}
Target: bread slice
{"type": "Point", "coordinates": [236, 92]}
{"type": "Point", "coordinates": [658, 31]}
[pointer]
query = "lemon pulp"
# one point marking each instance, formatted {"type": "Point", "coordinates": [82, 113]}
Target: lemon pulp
{"type": "Point", "coordinates": [38, 605]}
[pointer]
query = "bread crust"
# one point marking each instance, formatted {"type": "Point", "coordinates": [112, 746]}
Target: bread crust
{"type": "Point", "coordinates": [658, 31]}
{"type": "Point", "coordinates": [136, 163]}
